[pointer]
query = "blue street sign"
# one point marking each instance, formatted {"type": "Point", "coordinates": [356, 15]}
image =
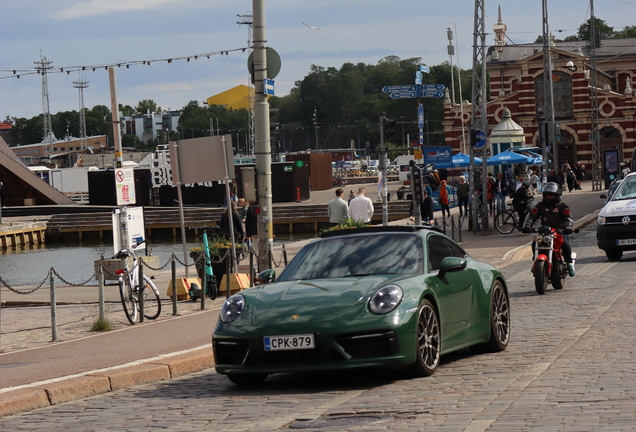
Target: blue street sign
{"type": "Point", "coordinates": [403, 95]}
{"type": "Point", "coordinates": [421, 137]}
{"type": "Point", "coordinates": [425, 69]}
{"type": "Point", "coordinates": [434, 94]}
{"type": "Point", "coordinates": [420, 117]}
{"type": "Point", "coordinates": [433, 87]}
{"type": "Point", "coordinates": [268, 86]}
{"type": "Point", "coordinates": [400, 88]}
{"type": "Point", "coordinates": [418, 77]}
{"type": "Point", "coordinates": [481, 138]}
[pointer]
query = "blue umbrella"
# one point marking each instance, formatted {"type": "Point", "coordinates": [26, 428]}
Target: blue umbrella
{"type": "Point", "coordinates": [508, 157]}
{"type": "Point", "coordinates": [460, 160]}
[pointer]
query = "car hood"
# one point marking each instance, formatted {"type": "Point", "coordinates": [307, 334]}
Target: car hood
{"type": "Point", "coordinates": [618, 208]}
{"type": "Point", "coordinates": [320, 300]}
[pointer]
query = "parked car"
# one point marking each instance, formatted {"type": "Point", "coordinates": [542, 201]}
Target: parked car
{"type": "Point", "coordinates": [396, 296]}
{"type": "Point", "coordinates": [616, 231]}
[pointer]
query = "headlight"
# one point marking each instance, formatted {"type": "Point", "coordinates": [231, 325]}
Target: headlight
{"type": "Point", "coordinates": [232, 308]}
{"type": "Point", "coordinates": [602, 220]}
{"type": "Point", "coordinates": [546, 239]}
{"type": "Point", "coordinates": [386, 299]}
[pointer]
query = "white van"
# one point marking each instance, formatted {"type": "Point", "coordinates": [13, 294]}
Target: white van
{"type": "Point", "coordinates": [616, 230]}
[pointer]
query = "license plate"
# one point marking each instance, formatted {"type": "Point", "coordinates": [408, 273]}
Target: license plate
{"type": "Point", "coordinates": [291, 342]}
{"type": "Point", "coordinates": [626, 242]}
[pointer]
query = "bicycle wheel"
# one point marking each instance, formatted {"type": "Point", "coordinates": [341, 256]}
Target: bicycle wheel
{"type": "Point", "coordinates": [128, 300]}
{"type": "Point", "coordinates": [152, 303]}
{"type": "Point", "coordinates": [505, 222]}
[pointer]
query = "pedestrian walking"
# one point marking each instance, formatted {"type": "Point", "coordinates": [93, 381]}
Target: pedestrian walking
{"type": "Point", "coordinates": [337, 209]}
{"type": "Point", "coordinates": [444, 195]}
{"type": "Point", "coordinates": [579, 174]}
{"type": "Point", "coordinates": [463, 190]}
{"type": "Point", "coordinates": [361, 207]}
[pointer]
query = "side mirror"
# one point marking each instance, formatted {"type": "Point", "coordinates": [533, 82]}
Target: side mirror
{"type": "Point", "coordinates": [451, 264]}
{"type": "Point", "coordinates": [266, 276]}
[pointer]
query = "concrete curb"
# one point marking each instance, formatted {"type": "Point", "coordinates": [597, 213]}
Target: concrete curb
{"type": "Point", "coordinates": [53, 392]}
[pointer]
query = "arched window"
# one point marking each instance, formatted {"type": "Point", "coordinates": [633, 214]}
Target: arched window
{"type": "Point", "coordinates": [562, 94]}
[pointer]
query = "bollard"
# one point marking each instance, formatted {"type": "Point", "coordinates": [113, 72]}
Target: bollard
{"type": "Point", "coordinates": [270, 256]}
{"type": "Point", "coordinates": [174, 285]}
{"type": "Point", "coordinates": [227, 276]}
{"type": "Point", "coordinates": [284, 255]}
{"type": "Point", "coordinates": [142, 291]}
{"type": "Point", "coordinates": [53, 307]}
{"type": "Point", "coordinates": [452, 224]}
{"type": "Point", "coordinates": [102, 317]}
{"type": "Point", "coordinates": [252, 273]}
{"type": "Point", "coordinates": [297, 194]}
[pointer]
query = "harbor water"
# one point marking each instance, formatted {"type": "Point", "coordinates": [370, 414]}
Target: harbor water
{"type": "Point", "coordinates": [29, 265]}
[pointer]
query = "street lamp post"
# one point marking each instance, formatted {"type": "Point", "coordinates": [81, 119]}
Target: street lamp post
{"type": "Point", "coordinates": [451, 52]}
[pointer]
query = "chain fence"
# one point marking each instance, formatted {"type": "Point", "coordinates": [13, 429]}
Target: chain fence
{"type": "Point", "coordinates": [26, 327]}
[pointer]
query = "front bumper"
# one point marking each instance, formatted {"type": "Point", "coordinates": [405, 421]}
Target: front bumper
{"type": "Point", "coordinates": [607, 236]}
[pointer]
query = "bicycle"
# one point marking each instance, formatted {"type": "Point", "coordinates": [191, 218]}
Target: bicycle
{"type": "Point", "coordinates": [506, 221]}
{"type": "Point", "coordinates": [129, 288]}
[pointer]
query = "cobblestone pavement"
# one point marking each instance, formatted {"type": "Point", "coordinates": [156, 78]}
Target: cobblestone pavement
{"type": "Point", "coordinates": [569, 367]}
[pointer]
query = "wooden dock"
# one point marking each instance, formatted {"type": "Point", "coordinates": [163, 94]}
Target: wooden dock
{"type": "Point", "coordinates": [23, 233]}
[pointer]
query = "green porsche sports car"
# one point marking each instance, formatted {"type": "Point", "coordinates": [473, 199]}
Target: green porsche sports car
{"type": "Point", "coordinates": [396, 296]}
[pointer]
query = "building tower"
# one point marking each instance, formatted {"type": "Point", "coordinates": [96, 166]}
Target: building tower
{"type": "Point", "coordinates": [247, 20]}
{"type": "Point", "coordinates": [81, 85]}
{"type": "Point", "coordinates": [48, 137]}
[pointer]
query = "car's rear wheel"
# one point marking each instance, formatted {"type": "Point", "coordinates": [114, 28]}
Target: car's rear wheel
{"type": "Point", "coordinates": [614, 254]}
{"type": "Point", "coordinates": [499, 319]}
{"type": "Point", "coordinates": [428, 342]}
{"type": "Point", "coordinates": [247, 378]}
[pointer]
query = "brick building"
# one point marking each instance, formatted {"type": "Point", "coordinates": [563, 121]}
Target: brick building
{"type": "Point", "coordinates": [516, 84]}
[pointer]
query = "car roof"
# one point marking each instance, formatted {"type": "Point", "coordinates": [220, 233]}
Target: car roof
{"type": "Point", "coordinates": [380, 229]}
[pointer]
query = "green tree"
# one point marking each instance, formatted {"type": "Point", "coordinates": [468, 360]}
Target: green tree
{"type": "Point", "coordinates": [627, 32]}
{"type": "Point", "coordinates": [606, 31]}
{"type": "Point", "coordinates": [147, 105]}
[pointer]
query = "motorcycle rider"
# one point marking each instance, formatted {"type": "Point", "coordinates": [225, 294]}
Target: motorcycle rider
{"type": "Point", "coordinates": [554, 213]}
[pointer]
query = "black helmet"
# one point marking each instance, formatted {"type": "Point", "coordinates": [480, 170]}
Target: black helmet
{"type": "Point", "coordinates": [552, 188]}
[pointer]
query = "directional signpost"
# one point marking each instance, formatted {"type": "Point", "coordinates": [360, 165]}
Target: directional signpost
{"type": "Point", "coordinates": [415, 91]}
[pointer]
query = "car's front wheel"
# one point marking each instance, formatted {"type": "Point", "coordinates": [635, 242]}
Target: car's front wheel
{"type": "Point", "coordinates": [499, 319]}
{"type": "Point", "coordinates": [614, 254]}
{"type": "Point", "coordinates": [428, 343]}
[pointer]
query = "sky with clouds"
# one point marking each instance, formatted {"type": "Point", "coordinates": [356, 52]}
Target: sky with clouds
{"type": "Point", "coordinates": [98, 33]}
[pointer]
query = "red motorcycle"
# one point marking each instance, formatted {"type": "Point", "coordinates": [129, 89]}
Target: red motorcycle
{"type": "Point", "coordinates": [549, 266]}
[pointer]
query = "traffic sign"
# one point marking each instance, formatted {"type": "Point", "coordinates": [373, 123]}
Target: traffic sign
{"type": "Point", "coordinates": [420, 117]}
{"type": "Point", "coordinates": [481, 137]}
{"type": "Point", "coordinates": [425, 69]}
{"type": "Point", "coordinates": [268, 86]}
{"type": "Point", "coordinates": [433, 87]}
{"type": "Point", "coordinates": [403, 95]}
{"type": "Point", "coordinates": [418, 77]}
{"type": "Point", "coordinates": [400, 88]}
{"type": "Point", "coordinates": [433, 94]}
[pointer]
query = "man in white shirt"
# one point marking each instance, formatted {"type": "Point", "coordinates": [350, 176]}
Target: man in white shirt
{"type": "Point", "coordinates": [337, 208]}
{"type": "Point", "coordinates": [361, 207]}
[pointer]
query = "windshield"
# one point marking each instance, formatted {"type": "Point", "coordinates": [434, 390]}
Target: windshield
{"type": "Point", "coordinates": [358, 255]}
{"type": "Point", "coordinates": [626, 190]}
